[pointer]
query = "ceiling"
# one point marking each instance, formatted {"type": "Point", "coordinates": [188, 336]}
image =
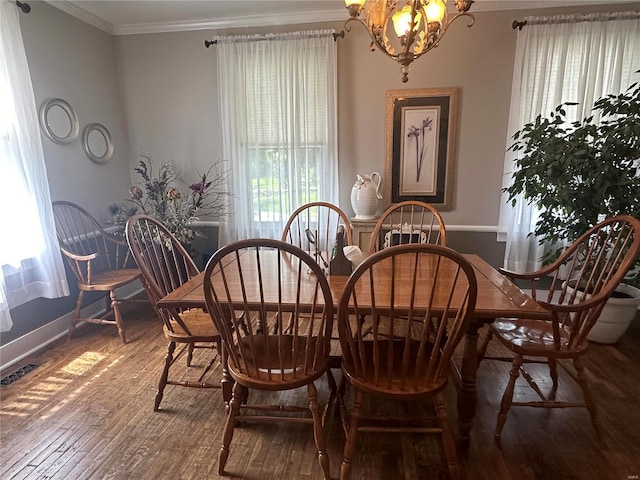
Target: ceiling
{"type": "Point", "coordinates": [126, 17]}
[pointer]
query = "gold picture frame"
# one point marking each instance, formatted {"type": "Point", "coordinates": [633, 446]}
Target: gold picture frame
{"type": "Point", "coordinates": [420, 151]}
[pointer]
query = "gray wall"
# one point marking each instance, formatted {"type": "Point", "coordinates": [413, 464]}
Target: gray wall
{"type": "Point", "coordinates": [157, 94]}
{"type": "Point", "coordinates": [71, 60]}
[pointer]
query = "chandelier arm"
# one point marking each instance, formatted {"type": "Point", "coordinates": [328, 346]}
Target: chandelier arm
{"type": "Point", "coordinates": [470, 21]}
{"type": "Point", "coordinates": [347, 25]}
{"type": "Point", "coordinates": [382, 46]}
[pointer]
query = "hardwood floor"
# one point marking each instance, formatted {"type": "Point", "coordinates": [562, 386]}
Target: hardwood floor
{"type": "Point", "coordinates": [86, 412]}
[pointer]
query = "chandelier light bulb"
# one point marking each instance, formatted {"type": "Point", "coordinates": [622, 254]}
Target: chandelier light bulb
{"type": "Point", "coordinates": [354, 7]}
{"type": "Point", "coordinates": [435, 11]}
{"type": "Point", "coordinates": [402, 21]}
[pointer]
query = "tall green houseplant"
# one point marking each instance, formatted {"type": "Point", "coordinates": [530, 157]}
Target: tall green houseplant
{"type": "Point", "coordinates": [578, 173]}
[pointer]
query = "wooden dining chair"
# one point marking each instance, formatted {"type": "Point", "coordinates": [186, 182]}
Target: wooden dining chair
{"type": "Point", "coordinates": [581, 281]}
{"type": "Point", "coordinates": [394, 358]}
{"type": "Point", "coordinates": [256, 291]}
{"type": "Point", "coordinates": [313, 228]}
{"type": "Point", "coordinates": [408, 222]}
{"type": "Point", "coordinates": [165, 266]}
{"type": "Point", "coordinates": [99, 261]}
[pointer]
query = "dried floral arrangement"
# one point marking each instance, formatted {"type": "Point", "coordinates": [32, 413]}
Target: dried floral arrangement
{"type": "Point", "coordinates": [159, 196]}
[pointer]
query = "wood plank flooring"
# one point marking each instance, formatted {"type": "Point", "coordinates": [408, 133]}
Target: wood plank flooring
{"type": "Point", "coordinates": [86, 412]}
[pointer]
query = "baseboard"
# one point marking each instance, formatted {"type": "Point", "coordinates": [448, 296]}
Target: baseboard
{"type": "Point", "coordinates": [28, 344]}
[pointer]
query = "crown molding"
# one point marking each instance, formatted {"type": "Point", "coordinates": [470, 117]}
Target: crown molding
{"type": "Point", "coordinates": [81, 14]}
{"type": "Point", "coordinates": [233, 22]}
{"type": "Point", "coordinates": [295, 18]}
{"type": "Point", "coordinates": [72, 9]}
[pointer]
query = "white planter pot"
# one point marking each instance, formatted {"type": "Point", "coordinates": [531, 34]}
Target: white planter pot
{"type": "Point", "coordinates": [616, 316]}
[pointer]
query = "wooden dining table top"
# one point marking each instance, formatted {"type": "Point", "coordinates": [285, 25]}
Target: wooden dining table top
{"type": "Point", "coordinates": [497, 295]}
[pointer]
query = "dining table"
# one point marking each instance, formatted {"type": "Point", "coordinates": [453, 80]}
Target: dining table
{"type": "Point", "coordinates": [497, 297]}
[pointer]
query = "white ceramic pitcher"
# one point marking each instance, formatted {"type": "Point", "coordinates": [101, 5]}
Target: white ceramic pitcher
{"type": "Point", "coordinates": [365, 194]}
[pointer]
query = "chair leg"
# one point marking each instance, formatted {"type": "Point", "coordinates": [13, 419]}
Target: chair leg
{"type": "Point", "coordinates": [581, 378]}
{"type": "Point", "coordinates": [190, 354]}
{"type": "Point", "coordinates": [210, 363]}
{"type": "Point", "coordinates": [350, 442]}
{"type": "Point", "coordinates": [168, 360]}
{"type": "Point", "coordinates": [226, 382]}
{"type": "Point", "coordinates": [227, 436]}
{"type": "Point", "coordinates": [448, 443]}
{"type": "Point", "coordinates": [507, 397]}
{"type": "Point", "coordinates": [115, 305]}
{"type": "Point", "coordinates": [76, 315]}
{"type": "Point", "coordinates": [341, 405]}
{"type": "Point", "coordinates": [107, 303]}
{"type": "Point", "coordinates": [553, 372]}
{"type": "Point", "coordinates": [318, 430]}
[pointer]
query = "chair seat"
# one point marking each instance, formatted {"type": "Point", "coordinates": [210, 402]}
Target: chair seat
{"type": "Point", "coordinates": [531, 337]}
{"type": "Point", "coordinates": [111, 279]}
{"type": "Point", "coordinates": [275, 369]}
{"type": "Point", "coordinates": [199, 324]}
{"type": "Point", "coordinates": [390, 382]}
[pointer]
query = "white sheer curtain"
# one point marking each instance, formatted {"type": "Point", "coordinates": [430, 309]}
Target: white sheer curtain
{"type": "Point", "coordinates": [562, 59]}
{"type": "Point", "coordinates": [278, 111]}
{"type": "Point", "coordinates": [30, 261]}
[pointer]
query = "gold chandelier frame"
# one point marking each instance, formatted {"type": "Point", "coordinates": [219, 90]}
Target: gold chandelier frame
{"type": "Point", "coordinates": [420, 37]}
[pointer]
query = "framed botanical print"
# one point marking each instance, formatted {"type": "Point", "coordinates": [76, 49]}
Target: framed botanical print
{"type": "Point", "coordinates": [421, 127]}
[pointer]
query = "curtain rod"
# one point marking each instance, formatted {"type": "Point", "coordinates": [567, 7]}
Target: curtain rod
{"type": "Point", "coordinates": [575, 18]}
{"type": "Point", "coordinates": [25, 7]}
{"type": "Point", "coordinates": [258, 38]}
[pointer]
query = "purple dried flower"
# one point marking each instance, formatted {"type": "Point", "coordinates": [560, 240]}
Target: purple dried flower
{"type": "Point", "coordinates": [198, 188]}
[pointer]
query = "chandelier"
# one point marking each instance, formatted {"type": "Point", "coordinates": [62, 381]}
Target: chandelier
{"type": "Point", "coordinates": [419, 26]}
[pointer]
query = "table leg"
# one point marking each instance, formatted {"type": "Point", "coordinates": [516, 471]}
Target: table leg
{"type": "Point", "coordinates": [467, 395]}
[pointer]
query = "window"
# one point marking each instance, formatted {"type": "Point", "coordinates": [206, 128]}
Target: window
{"type": "Point", "coordinates": [278, 112]}
{"type": "Point", "coordinates": [273, 177]}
